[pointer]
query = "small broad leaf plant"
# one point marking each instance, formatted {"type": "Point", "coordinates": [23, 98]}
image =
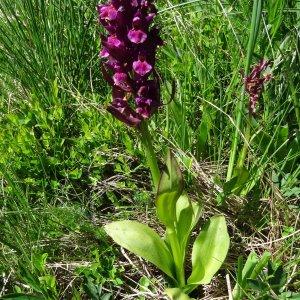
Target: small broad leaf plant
{"type": "Point", "coordinates": [128, 55]}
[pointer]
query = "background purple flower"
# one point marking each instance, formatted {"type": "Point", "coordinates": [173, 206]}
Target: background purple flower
{"type": "Point", "coordinates": [129, 52]}
{"type": "Point", "coordinates": [254, 84]}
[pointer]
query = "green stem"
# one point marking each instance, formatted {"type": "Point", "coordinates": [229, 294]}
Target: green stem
{"type": "Point", "coordinates": [235, 141]}
{"type": "Point", "coordinates": [243, 153]}
{"type": "Point", "coordinates": [177, 255]}
{"type": "Point", "coordinates": [255, 21]}
{"type": "Point", "coordinates": [146, 140]}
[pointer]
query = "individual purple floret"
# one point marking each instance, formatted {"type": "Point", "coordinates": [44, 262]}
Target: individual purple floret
{"type": "Point", "coordinates": [254, 84]}
{"type": "Point", "coordinates": [129, 52]}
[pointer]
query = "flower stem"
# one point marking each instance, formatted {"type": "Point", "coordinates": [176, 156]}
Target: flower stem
{"type": "Point", "coordinates": [235, 141]}
{"type": "Point", "coordinates": [243, 153]}
{"type": "Point", "coordinates": [255, 22]}
{"type": "Point", "coordinates": [146, 140]}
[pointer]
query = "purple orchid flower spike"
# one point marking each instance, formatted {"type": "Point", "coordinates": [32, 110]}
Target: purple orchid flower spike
{"type": "Point", "coordinates": [254, 84]}
{"type": "Point", "coordinates": [128, 55]}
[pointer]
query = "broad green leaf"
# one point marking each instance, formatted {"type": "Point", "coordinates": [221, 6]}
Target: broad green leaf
{"type": "Point", "coordinates": [107, 296]}
{"type": "Point", "coordinates": [251, 270]}
{"type": "Point", "coordinates": [171, 179]}
{"type": "Point", "coordinates": [165, 208]}
{"type": "Point", "coordinates": [177, 294]}
{"type": "Point", "coordinates": [229, 185]}
{"type": "Point", "coordinates": [275, 15]}
{"type": "Point", "coordinates": [142, 241]}
{"type": "Point", "coordinates": [188, 214]}
{"type": "Point", "coordinates": [169, 189]}
{"type": "Point", "coordinates": [283, 133]}
{"type": "Point", "coordinates": [209, 251]}
{"type": "Point", "coordinates": [30, 278]}
{"type": "Point", "coordinates": [257, 285]}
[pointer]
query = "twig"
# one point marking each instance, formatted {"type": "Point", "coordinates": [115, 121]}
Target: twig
{"type": "Point", "coordinates": [229, 287]}
{"type": "Point", "coordinates": [278, 240]}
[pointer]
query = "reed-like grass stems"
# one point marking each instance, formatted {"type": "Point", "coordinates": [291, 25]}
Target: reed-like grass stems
{"type": "Point", "coordinates": [255, 22]}
{"type": "Point", "coordinates": [296, 101]}
{"type": "Point", "coordinates": [150, 154]}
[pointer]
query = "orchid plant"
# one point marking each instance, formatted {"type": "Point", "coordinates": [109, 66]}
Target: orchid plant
{"type": "Point", "coordinates": [179, 215]}
{"type": "Point", "coordinates": [129, 53]}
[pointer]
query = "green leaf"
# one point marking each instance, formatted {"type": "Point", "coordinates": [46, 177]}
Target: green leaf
{"type": "Point", "coordinates": [177, 294]}
{"type": "Point", "coordinates": [49, 281]}
{"type": "Point", "coordinates": [259, 266]}
{"type": "Point", "coordinates": [39, 261]}
{"type": "Point", "coordinates": [209, 251]}
{"type": "Point", "coordinates": [188, 214]}
{"type": "Point", "coordinates": [293, 296]}
{"type": "Point", "coordinates": [243, 273]}
{"type": "Point", "coordinates": [235, 184]}
{"type": "Point", "coordinates": [142, 241]}
{"type": "Point", "coordinates": [171, 179]}
{"type": "Point", "coordinates": [106, 296]}
{"type": "Point", "coordinates": [257, 285]}
{"type": "Point", "coordinates": [251, 270]}
{"type": "Point", "coordinates": [169, 189]}
{"type": "Point", "coordinates": [30, 278]}
{"type": "Point", "coordinates": [204, 128]}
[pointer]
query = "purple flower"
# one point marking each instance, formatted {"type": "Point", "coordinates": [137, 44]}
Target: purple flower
{"type": "Point", "coordinates": [120, 109]}
{"type": "Point", "coordinates": [121, 80]}
{"type": "Point", "coordinates": [107, 12]}
{"type": "Point", "coordinates": [141, 67]}
{"type": "Point", "coordinates": [104, 53]}
{"type": "Point", "coordinates": [128, 55]}
{"type": "Point", "coordinates": [113, 41]}
{"type": "Point", "coordinates": [254, 84]}
{"type": "Point", "coordinates": [137, 36]}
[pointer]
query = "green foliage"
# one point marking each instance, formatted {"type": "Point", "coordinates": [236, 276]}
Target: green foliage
{"type": "Point", "coordinates": [59, 149]}
{"type": "Point", "coordinates": [206, 60]}
{"type": "Point", "coordinates": [99, 274]}
{"type": "Point", "coordinates": [260, 278]}
{"type": "Point", "coordinates": [209, 251]}
{"type": "Point", "coordinates": [142, 241]}
{"type": "Point", "coordinates": [187, 216]}
{"type": "Point", "coordinates": [169, 190]}
{"type": "Point", "coordinates": [249, 273]}
{"type": "Point", "coordinates": [176, 294]}
{"type": "Point", "coordinates": [43, 40]}
{"type": "Point", "coordinates": [17, 296]}
{"type": "Point", "coordinates": [179, 215]}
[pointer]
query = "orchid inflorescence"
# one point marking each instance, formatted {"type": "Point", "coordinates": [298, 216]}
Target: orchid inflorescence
{"type": "Point", "coordinates": [129, 52]}
{"type": "Point", "coordinates": [254, 84]}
